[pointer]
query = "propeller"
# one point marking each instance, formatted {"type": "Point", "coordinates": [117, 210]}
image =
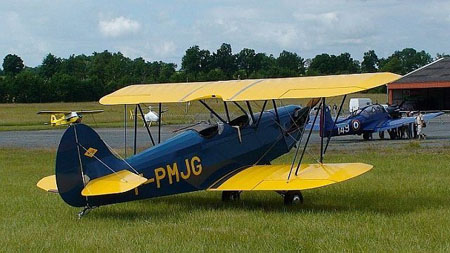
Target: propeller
{"type": "Point", "coordinates": [394, 110]}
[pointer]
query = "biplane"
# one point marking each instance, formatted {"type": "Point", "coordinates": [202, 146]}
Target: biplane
{"type": "Point", "coordinates": [232, 156]}
{"type": "Point", "coordinates": [62, 118]}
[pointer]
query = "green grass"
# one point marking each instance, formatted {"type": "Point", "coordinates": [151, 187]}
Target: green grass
{"type": "Point", "coordinates": [401, 205]}
{"type": "Point", "coordinates": [24, 117]}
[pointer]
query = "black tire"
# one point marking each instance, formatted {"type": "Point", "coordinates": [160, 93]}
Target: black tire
{"type": "Point", "coordinates": [381, 135]}
{"type": "Point", "coordinates": [231, 195]}
{"type": "Point", "coordinates": [293, 197]}
{"type": "Point", "coordinates": [366, 136]}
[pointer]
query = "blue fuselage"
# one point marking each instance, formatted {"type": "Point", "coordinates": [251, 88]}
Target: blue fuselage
{"type": "Point", "coordinates": [194, 160]}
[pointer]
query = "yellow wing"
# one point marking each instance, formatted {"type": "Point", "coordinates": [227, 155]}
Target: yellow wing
{"type": "Point", "coordinates": [48, 184]}
{"type": "Point", "coordinates": [250, 89]}
{"type": "Point", "coordinates": [114, 183]}
{"type": "Point", "coordinates": [274, 177]}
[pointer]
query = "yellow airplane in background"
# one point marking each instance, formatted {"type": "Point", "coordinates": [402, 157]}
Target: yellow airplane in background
{"type": "Point", "coordinates": [62, 118]}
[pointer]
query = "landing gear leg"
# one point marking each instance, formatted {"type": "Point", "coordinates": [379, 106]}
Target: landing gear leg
{"type": "Point", "coordinates": [85, 211]}
{"type": "Point", "coordinates": [381, 135]}
{"type": "Point", "coordinates": [293, 197]}
{"type": "Point", "coordinates": [231, 195]}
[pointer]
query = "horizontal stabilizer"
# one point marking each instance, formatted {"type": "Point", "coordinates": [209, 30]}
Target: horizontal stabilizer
{"type": "Point", "coordinates": [48, 184]}
{"type": "Point", "coordinates": [274, 177]}
{"type": "Point", "coordinates": [114, 183]}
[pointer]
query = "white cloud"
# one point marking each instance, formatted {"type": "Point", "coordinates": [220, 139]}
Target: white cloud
{"type": "Point", "coordinates": [118, 26]}
{"type": "Point", "coordinates": [163, 48]}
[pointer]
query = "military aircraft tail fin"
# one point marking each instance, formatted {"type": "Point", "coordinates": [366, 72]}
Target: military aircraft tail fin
{"type": "Point", "coordinates": [328, 122]}
{"type": "Point", "coordinates": [82, 158]}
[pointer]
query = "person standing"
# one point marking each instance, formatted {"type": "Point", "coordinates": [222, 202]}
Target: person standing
{"type": "Point", "coordinates": [419, 123]}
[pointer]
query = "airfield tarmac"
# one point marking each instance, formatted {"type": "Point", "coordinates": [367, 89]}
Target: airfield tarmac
{"type": "Point", "coordinates": [437, 131]}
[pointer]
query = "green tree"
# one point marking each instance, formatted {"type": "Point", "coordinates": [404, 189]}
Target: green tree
{"type": "Point", "coordinates": [25, 87]}
{"type": "Point", "coordinates": [370, 62]}
{"type": "Point", "coordinates": [3, 92]}
{"type": "Point", "coordinates": [441, 55]}
{"type": "Point", "coordinates": [50, 65]}
{"type": "Point", "coordinates": [216, 75]}
{"type": "Point", "coordinates": [224, 59]}
{"type": "Point", "coordinates": [166, 71]}
{"type": "Point", "coordinates": [290, 64]}
{"type": "Point", "coordinates": [325, 64]}
{"type": "Point", "coordinates": [405, 61]}
{"type": "Point", "coordinates": [245, 60]}
{"type": "Point", "coordinates": [12, 64]}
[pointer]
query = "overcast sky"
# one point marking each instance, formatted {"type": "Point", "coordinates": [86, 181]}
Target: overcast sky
{"type": "Point", "coordinates": [163, 30]}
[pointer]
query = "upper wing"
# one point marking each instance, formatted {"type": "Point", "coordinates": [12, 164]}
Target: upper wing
{"type": "Point", "coordinates": [250, 89]}
{"type": "Point", "coordinates": [52, 112]}
{"type": "Point", "coordinates": [394, 123]}
{"type": "Point", "coordinates": [89, 111]}
{"type": "Point", "coordinates": [274, 177]}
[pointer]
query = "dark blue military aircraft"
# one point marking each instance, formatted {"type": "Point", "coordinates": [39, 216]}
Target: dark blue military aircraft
{"type": "Point", "coordinates": [371, 119]}
{"type": "Point", "coordinates": [231, 156]}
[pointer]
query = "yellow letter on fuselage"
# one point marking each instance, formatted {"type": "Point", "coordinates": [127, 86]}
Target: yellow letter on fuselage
{"type": "Point", "coordinates": [160, 173]}
{"type": "Point", "coordinates": [196, 166]}
{"type": "Point", "coordinates": [173, 172]}
{"type": "Point", "coordinates": [188, 170]}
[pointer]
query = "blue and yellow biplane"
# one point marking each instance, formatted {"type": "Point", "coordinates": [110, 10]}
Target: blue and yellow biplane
{"type": "Point", "coordinates": [231, 156]}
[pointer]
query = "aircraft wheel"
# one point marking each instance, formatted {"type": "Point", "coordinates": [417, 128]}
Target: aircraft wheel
{"type": "Point", "coordinates": [231, 195]}
{"type": "Point", "coordinates": [381, 135]}
{"type": "Point", "coordinates": [293, 197]}
{"type": "Point", "coordinates": [366, 136]}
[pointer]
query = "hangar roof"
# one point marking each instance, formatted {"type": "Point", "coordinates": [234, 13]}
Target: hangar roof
{"type": "Point", "coordinates": [437, 71]}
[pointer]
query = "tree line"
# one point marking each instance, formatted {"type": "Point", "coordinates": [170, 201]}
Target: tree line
{"type": "Point", "coordinates": [88, 78]}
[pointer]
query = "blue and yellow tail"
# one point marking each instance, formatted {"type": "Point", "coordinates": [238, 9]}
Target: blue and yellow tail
{"type": "Point", "coordinates": [83, 159]}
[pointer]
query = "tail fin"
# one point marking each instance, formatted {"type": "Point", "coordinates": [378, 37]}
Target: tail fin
{"type": "Point", "coordinates": [328, 123]}
{"type": "Point", "coordinates": [82, 156]}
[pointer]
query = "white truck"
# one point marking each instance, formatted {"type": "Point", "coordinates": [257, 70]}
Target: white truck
{"type": "Point", "coordinates": [356, 103]}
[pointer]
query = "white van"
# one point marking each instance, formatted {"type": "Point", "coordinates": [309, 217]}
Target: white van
{"type": "Point", "coordinates": [356, 103]}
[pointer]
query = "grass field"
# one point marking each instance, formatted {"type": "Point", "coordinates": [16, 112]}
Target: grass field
{"type": "Point", "coordinates": [403, 204]}
{"type": "Point", "coordinates": [24, 117]}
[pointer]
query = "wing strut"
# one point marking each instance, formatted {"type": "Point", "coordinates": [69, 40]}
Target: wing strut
{"type": "Point", "coordinates": [146, 125]}
{"type": "Point", "coordinates": [125, 129]}
{"type": "Point", "coordinates": [276, 112]}
{"type": "Point", "coordinates": [334, 124]}
{"type": "Point", "coordinates": [261, 114]}
{"type": "Point", "coordinates": [135, 130]}
{"type": "Point", "coordinates": [226, 111]}
{"type": "Point", "coordinates": [307, 140]}
{"type": "Point", "coordinates": [159, 122]}
{"type": "Point", "coordinates": [322, 128]}
{"type": "Point", "coordinates": [250, 111]}
{"type": "Point", "coordinates": [298, 145]}
{"type": "Point", "coordinates": [212, 111]}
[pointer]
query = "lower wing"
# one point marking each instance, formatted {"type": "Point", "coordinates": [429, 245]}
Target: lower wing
{"type": "Point", "coordinates": [390, 124]}
{"type": "Point", "coordinates": [274, 177]}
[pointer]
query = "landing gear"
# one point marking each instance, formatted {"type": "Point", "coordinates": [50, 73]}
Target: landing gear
{"type": "Point", "coordinates": [85, 211]}
{"type": "Point", "coordinates": [231, 195]}
{"type": "Point", "coordinates": [293, 197]}
{"type": "Point", "coordinates": [381, 135]}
